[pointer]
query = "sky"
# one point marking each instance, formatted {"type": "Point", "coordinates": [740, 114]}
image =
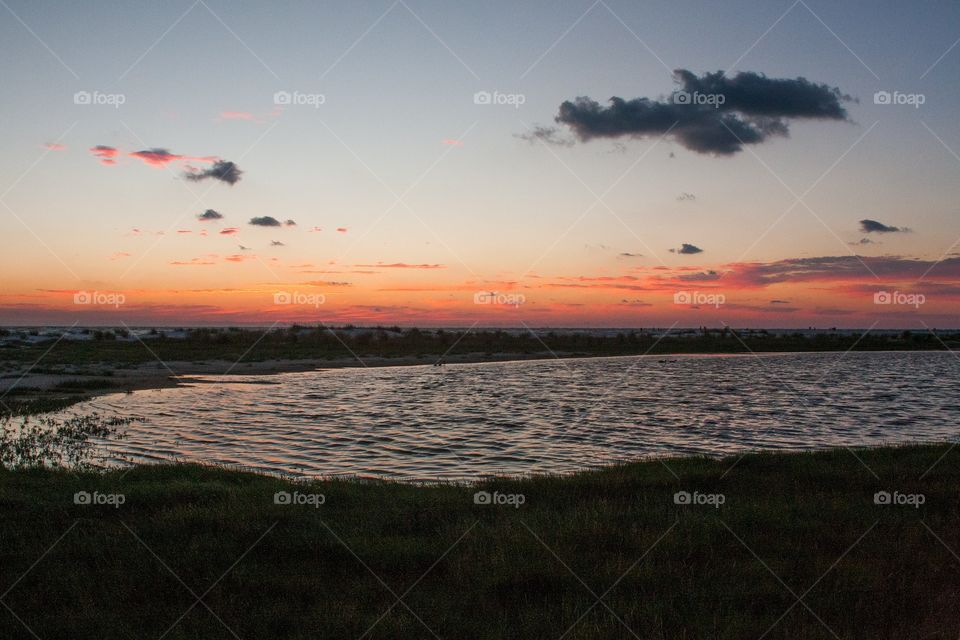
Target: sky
{"type": "Point", "coordinates": [416, 162]}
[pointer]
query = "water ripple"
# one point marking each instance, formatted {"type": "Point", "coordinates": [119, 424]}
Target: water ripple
{"type": "Point", "coordinates": [468, 421]}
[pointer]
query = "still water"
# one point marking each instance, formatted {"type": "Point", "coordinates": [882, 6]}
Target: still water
{"type": "Point", "coordinates": [471, 420]}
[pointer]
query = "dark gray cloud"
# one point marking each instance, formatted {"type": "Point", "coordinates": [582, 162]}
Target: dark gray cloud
{"type": "Point", "coordinates": [548, 135]}
{"type": "Point", "coordinates": [222, 170]}
{"type": "Point", "coordinates": [627, 254]}
{"type": "Point", "coordinates": [712, 113]}
{"type": "Point", "coordinates": [265, 221]}
{"type": "Point", "coordinates": [872, 226]}
{"type": "Point", "coordinates": [210, 214]}
{"type": "Point", "coordinates": [276, 243]}
{"type": "Point", "coordinates": [687, 249]}
{"type": "Point", "coordinates": [289, 223]}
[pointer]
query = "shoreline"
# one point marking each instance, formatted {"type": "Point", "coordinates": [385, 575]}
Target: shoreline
{"type": "Point", "coordinates": [80, 383]}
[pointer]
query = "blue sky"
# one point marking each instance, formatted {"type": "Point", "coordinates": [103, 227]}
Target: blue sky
{"type": "Point", "coordinates": [398, 81]}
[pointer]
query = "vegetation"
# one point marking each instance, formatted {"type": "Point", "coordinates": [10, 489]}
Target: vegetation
{"type": "Point", "coordinates": [797, 549]}
{"type": "Point", "coordinates": [297, 342]}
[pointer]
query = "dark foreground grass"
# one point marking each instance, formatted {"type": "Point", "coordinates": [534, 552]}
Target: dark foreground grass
{"type": "Point", "coordinates": [798, 549]}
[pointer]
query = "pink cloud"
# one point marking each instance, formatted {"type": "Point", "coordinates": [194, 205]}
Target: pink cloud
{"type": "Point", "coordinates": [184, 231]}
{"type": "Point", "coordinates": [237, 115]}
{"type": "Point", "coordinates": [119, 255]}
{"type": "Point", "coordinates": [55, 146]}
{"type": "Point", "coordinates": [105, 154]}
{"type": "Point", "coordinates": [401, 265]}
{"type": "Point", "coordinates": [341, 229]}
{"type": "Point", "coordinates": [157, 157]}
{"type": "Point", "coordinates": [316, 230]}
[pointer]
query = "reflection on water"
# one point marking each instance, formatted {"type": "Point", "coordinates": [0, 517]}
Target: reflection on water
{"type": "Point", "coordinates": [466, 421]}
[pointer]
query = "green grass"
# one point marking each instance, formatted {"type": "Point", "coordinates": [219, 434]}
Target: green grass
{"type": "Point", "coordinates": [483, 571]}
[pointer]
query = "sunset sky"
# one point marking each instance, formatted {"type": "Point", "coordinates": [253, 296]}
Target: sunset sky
{"type": "Point", "coordinates": [442, 164]}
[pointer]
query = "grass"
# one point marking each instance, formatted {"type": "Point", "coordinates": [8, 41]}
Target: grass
{"type": "Point", "coordinates": [298, 343]}
{"type": "Point", "coordinates": [803, 524]}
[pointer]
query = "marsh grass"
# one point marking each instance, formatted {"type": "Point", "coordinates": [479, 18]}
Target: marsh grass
{"type": "Point", "coordinates": [804, 523]}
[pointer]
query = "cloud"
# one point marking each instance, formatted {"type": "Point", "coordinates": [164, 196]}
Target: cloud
{"type": "Point", "coordinates": [779, 302]}
{"type": "Point", "coordinates": [107, 155]}
{"type": "Point", "coordinates": [341, 229]}
{"type": "Point", "coordinates": [237, 115]}
{"type": "Point", "coordinates": [687, 249]}
{"type": "Point", "coordinates": [315, 230]}
{"type": "Point", "coordinates": [222, 170]}
{"type": "Point", "coordinates": [546, 135]}
{"type": "Point", "coordinates": [156, 157]}
{"type": "Point", "coordinates": [54, 146]}
{"type": "Point", "coordinates": [401, 265]}
{"type": "Point", "coordinates": [710, 114]}
{"type": "Point", "coordinates": [686, 196]}
{"type": "Point", "coordinates": [289, 223]}
{"type": "Point", "coordinates": [872, 226]}
{"type": "Point", "coordinates": [229, 231]}
{"type": "Point", "coordinates": [276, 243]}
{"type": "Point", "coordinates": [119, 255]}
{"type": "Point", "coordinates": [195, 262]}
{"type": "Point", "coordinates": [243, 248]}
{"type": "Point", "coordinates": [864, 241]}
{"type": "Point", "coordinates": [627, 254]}
{"type": "Point", "coordinates": [209, 214]}
{"type": "Point", "coordinates": [265, 221]}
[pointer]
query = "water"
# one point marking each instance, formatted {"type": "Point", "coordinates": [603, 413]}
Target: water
{"type": "Point", "coordinates": [471, 420]}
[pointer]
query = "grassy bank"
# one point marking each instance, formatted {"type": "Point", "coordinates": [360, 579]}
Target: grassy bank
{"type": "Point", "coordinates": [803, 524]}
